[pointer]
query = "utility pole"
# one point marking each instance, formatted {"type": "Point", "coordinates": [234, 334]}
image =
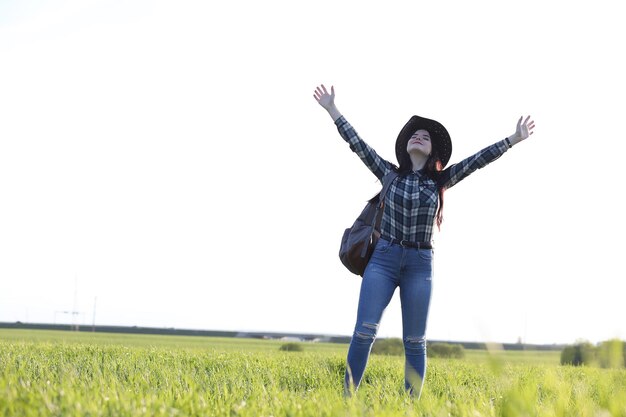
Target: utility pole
{"type": "Point", "coordinates": [74, 312]}
{"type": "Point", "coordinates": [93, 322]}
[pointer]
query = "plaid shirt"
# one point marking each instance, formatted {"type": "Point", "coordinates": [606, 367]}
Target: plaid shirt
{"type": "Point", "coordinates": [412, 200]}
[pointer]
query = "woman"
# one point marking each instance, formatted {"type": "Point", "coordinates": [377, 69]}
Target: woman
{"type": "Point", "coordinates": [403, 256]}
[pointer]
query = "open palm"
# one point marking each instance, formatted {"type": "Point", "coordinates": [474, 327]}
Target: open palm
{"type": "Point", "coordinates": [323, 97]}
{"type": "Point", "coordinates": [525, 128]}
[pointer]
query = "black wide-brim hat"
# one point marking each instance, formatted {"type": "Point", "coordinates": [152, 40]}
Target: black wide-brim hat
{"type": "Point", "coordinates": [439, 137]}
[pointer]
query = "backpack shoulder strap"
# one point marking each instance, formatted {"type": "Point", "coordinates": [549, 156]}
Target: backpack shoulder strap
{"type": "Point", "coordinates": [387, 180]}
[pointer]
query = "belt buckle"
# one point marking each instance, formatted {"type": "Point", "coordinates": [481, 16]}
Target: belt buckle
{"type": "Point", "coordinates": [403, 244]}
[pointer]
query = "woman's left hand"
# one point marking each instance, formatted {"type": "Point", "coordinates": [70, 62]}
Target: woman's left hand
{"type": "Point", "coordinates": [523, 131]}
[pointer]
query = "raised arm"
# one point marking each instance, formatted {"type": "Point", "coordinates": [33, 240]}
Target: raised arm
{"type": "Point", "coordinates": [370, 158]}
{"type": "Point", "coordinates": [455, 173]}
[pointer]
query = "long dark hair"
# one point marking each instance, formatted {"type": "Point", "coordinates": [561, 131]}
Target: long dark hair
{"type": "Point", "coordinates": [432, 168]}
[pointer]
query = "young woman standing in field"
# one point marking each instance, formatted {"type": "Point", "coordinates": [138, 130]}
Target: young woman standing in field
{"type": "Point", "coordinates": [403, 256]}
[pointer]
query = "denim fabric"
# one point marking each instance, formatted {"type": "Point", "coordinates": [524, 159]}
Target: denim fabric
{"type": "Point", "coordinates": [393, 266]}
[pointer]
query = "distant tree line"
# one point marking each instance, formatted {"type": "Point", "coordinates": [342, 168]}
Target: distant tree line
{"type": "Point", "coordinates": [608, 354]}
{"type": "Point", "coordinates": [395, 346]}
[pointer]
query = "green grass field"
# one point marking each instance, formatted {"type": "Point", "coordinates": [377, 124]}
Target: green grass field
{"type": "Point", "coordinates": [53, 373]}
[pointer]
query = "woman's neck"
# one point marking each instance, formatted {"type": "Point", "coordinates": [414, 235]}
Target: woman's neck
{"type": "Point", "coordinates": [418, 161]}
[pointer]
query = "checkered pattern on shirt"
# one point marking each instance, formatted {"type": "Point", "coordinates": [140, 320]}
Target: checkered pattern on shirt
{"type": "Point", "coordinates": [411, 203]}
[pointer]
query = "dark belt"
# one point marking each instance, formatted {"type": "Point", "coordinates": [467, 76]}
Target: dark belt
{"type": "Point", "coordinates": [408, 243]}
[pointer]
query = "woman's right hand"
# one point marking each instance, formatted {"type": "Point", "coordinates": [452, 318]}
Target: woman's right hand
{"type": "Point", "coordinates": [325, 99]}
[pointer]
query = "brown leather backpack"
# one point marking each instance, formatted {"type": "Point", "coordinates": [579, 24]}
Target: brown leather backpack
{"type": "Point", "coordinates": [358, 241]}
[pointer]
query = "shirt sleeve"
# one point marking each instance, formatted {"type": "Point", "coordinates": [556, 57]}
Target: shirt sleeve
{"type": "Point", "coordinates": [455, 173]}
{"type": "Point", "coordinates": [370, 158]}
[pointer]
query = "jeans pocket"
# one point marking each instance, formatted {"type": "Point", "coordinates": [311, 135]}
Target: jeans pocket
{"type": "Point", "coordinates": [382, 246]}
{"type": "Point", "coordinates": [426, 254]}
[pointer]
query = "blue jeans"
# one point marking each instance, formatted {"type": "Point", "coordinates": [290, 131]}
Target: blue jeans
{"type": "Point", "coordinates": [391, 266]}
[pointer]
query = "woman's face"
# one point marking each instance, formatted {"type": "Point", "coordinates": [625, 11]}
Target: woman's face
{"type": "Point", "coordinates": [419, 143]}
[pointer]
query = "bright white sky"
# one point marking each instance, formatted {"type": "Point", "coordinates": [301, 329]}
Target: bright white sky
{"type": "Point", "coordinates": [168, 159]}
